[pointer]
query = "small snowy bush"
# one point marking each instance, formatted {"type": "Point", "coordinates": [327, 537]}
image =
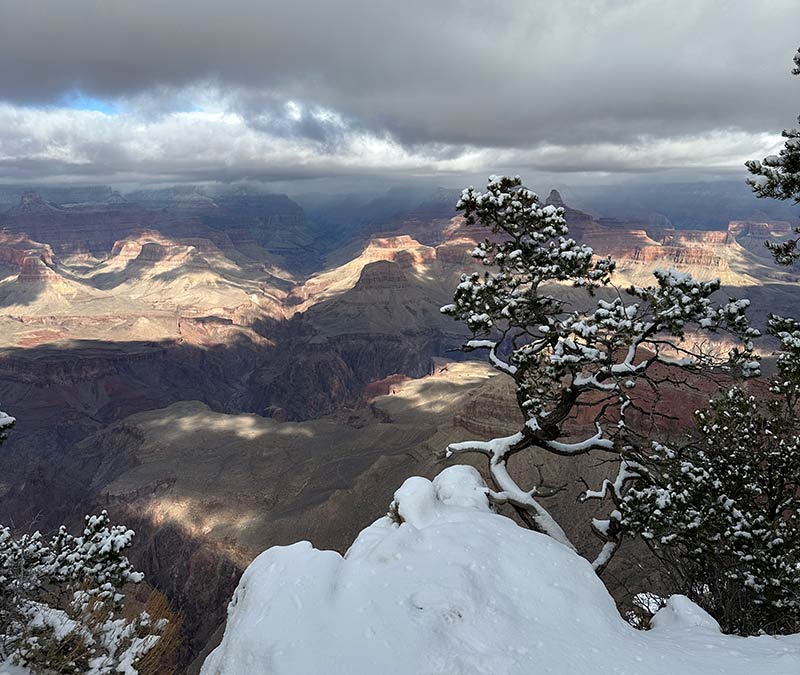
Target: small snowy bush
{"type": "Point", "coordinates": [62, 600]}
{"type": "Point", "coordinates": [722, 510]}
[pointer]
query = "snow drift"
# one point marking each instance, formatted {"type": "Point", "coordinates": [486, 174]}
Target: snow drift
{"type": "Point", "coordinates": [455, 588]}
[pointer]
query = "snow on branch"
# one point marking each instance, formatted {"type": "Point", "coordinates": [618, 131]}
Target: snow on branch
{"type": "Point", "coordinates": [494, 359]}
{"type": "Point", "coordinates": [596, 442]}
{"type": "Point", "coordinates": [62, 601]}
{"type": "Point", "coordinates": [610, 530]}
{"type": "Point", "coordinates": [6, 422]}
{"type": "Point", "coordinates": [628, 471]}
{"type": "Point", "coordinates": [525, 502]}
{"type": "Point", "coordinates": [496, 448]}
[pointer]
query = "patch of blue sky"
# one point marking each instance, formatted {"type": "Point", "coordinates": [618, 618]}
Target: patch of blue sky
{"type": "Point", "coordinates": [78, 100]}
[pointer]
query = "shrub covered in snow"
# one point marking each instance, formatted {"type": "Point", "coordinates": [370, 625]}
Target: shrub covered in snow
{"type": "Point", "coordinates": [61, 601]}
{"type": "Point", "coordinates": [445, 585]}
{"type": "Point", "coordinates": [723, 510]}
{"type": "Point", "coordinates": [563, 358]}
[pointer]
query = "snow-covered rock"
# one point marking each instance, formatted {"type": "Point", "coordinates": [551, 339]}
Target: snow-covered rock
{"type": "Point", "coordinates": [457, 589]}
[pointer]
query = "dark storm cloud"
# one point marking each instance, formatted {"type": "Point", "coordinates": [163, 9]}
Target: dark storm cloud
{"type": "Point", "coordinates": [263, 90]}
{"type": "Point", "coordinates": [480, 73]}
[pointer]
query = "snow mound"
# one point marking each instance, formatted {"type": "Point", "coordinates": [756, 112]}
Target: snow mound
{"type": "Point", "coordinates": [7, 668]}
{"type": "Point", "coordinates": [455, 588]}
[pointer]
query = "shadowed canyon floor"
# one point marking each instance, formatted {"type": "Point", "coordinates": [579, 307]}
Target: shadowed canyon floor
{"type": "Point", "coordinates": [241, 483]}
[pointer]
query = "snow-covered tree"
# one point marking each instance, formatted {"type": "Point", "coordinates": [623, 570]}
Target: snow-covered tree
{"type": "Point", "coordinates": [723, 509]}
{"type": "Point", "coordinates": [62, 600]}
{"type": "Point", "coordinates": [563, 358]}
{"type": "Point", "coordinates": [778, 177]}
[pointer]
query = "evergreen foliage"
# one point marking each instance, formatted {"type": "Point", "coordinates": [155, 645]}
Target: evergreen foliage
{"type": "Point", "coordinates": [722, 510]}
{"type": "Point", "coordinates": [778, 177]}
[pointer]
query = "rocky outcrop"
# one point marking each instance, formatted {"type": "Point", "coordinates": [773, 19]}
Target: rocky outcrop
{"type": "Point", "coordinates": [554, 199]}
{"type": "Point", "coordinates": [753, 235]}
{"type": "Point", "coordinates": [15, 248]}
{"type": "Point", "coordinates": [197, 574]}
{"type": "Point", "coordinates": [574, 217]}
{"type": "Point", "coordinates": [116, 198]}
{"type": "Point", "coordinates": [697, 256]}
{"type": "Point", "coordinates": [319, 377]}
{"type": "Point", "coordinates": [152, 252]}
{"type": "Point", "coordinates": [404, 251]}
{"type": "Point", "coordinates": [381, 274]}
{"type": "Point", "coordinates": [749, 228]}
{"type": "Point", "coordinates": [489, 411]}
{"type": "Point", "coordinates": [31, 203]}
{"type": "Point", "coordinates": [274, 222]}
{"type": "Point", "coordinates": [33, 268]}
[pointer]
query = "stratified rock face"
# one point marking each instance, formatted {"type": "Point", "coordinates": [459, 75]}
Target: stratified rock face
{"type": "Point", "coordinates": [401, 242]}
{"type": "Point", "coordinates": [702, 250]}
{"type": "Point", "coordinates": [271, 222]}
{"type": "Point", "coordinates": [753, 235]}
{"type": "Point", "coordinates": [777, 228]}
{"type": "Point", "coordinates": [575, 219]}
{"type": "Point", "coordinates": [152, 246]}
{"type": "Point", "coordinates": [637, 248]}
{"type": "Point", "coordinates": [152, 252]}
{"type": "Point", "coordinates": [15, 248]}
{"type": "Point", "coordinates": [409, 254]}
{"type": "Point", "coordinates": [381, 274]}
{"type": "Point", "coordinates": [33, 268]}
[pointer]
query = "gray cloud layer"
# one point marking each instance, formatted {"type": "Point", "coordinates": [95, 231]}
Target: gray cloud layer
{"type": "Point", "coordinates": [593, 85]}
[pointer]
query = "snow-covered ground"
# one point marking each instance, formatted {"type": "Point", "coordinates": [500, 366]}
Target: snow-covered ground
{"type": "Point", "coordinates": [7, 668]}
{"type": "Point", "coordinates": [460, 590]}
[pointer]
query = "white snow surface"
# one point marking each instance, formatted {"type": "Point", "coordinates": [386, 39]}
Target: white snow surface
{"type": "Point", "coordinates": [461, 590]}
{"type": "Point", "coordinates": [7, 668]}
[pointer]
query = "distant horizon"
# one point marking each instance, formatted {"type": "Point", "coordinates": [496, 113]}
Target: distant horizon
{"type": "Point", "coordinates": [688, 203]}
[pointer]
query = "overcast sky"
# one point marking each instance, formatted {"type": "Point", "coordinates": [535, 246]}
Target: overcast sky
{"type": "Point", "coordinates": [170, 91]}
